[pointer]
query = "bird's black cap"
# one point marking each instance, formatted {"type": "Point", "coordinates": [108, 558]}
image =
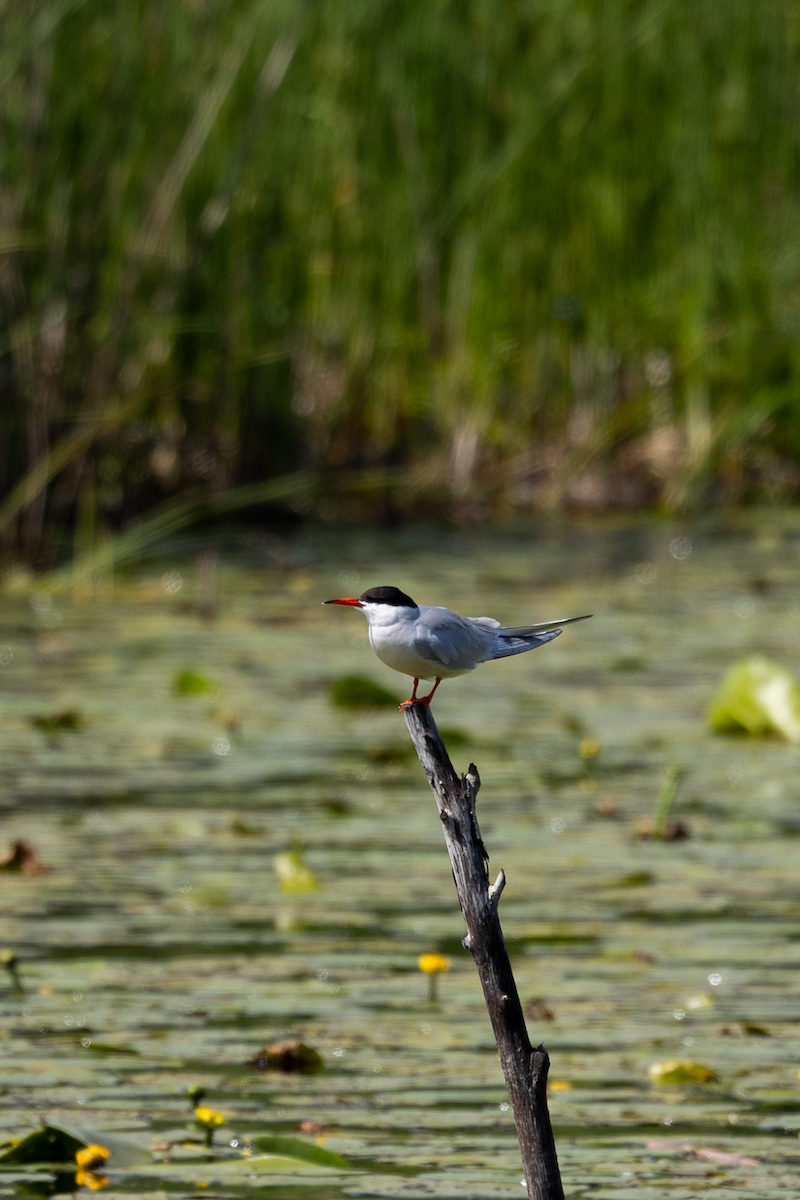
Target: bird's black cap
{"type": "Point", "coordinates": [387, 595]}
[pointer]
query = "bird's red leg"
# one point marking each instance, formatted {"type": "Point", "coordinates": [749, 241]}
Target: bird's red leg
{"type": "Point", "coordinates": [413, 699]}
{"type": "Point", "coordinates": [426, 700]}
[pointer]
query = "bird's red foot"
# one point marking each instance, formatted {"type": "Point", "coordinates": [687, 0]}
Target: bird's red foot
{"type": "Point", "coordinates": [413, 700]}
{"type": "Point", "coordinates": [425, 701]}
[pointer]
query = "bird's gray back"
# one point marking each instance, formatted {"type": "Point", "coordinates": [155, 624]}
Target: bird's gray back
{"type": "Point", "coordinates": [452, 639]}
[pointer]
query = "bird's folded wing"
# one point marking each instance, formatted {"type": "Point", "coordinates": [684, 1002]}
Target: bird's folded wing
{"type": "Point", "coordinates": [435, 650]}
{"type": "Point", "coordinates": [542, 627]}
{"type": "Point", "coordinates": [446, 638]}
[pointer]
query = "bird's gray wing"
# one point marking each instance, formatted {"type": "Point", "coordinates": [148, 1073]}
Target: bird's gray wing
{"type": "Point", "coordinates": [450, 639]}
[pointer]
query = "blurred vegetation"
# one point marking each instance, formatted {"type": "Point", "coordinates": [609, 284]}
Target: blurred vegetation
{"type": "Point", "coordinates": [503, 258]}
{"type": "Point", "coordinates": [353, 691]}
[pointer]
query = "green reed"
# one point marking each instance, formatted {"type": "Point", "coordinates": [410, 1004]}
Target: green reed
{"type": "Point", "coordinates": [535, 255]}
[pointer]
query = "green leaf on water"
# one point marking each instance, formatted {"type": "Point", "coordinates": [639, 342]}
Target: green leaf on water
{"type": "Point", "coordinates": [68, 721]}
{"type": "Point", "coordinates": [48, 1144]}
{"type": "Point", "coordinates": [259, 1164]}
{"type": "Point", "coordinates": [59, 1143]}
{"type": "Point", "coordinates": [680, 1070]}
{"type": "Point", "coordinates": [635, 879]}
{"type": "Point", "coordinates": [191, 683]}
{"type": "Point", "coordinates": [629, 662]}
{"type": "Point", "coordinates": [106, 1047]}
{"type": "Point", "coordinates": [294, 873]}
{"type": "Point", "coordinates": [294, 1147]}
{"type": "Point", "coordinates": [453, 738]}
{"type": "Point", "coordinates": [759, 697]}
{"type": "Point", "coordinates": [352, 691]}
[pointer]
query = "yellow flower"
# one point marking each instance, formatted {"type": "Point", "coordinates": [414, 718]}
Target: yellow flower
{"type": "Point", "coordinates": [91, 1180]}
{"type": "Point", "coordinates": [208, 1118]}
{"type": "Point", "coordinates": [589, 748]}
{"type": "Point", "coordinates": [432, 964]}
{"type": "Point", "coordinates": [91, 1156]}
{"type": "Point", "coordinates": [560, 1085]}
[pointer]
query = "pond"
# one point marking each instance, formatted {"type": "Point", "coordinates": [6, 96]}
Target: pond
{"type": "Point", "coordinates": [224, 859]}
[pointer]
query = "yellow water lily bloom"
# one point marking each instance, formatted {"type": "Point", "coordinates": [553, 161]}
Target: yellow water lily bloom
{"type": "Point", "coordinates": [433, 964]}
{"type": "Point", "coordinates": [90, 1179]}
{"type": "Point", "coordinates": [208, 1117]}
{"type": "Point", "coordinates": [92, 1156]}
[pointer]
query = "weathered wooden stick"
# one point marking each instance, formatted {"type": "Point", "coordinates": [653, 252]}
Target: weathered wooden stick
{"type": "Point", "coordinates": [525, 1068]}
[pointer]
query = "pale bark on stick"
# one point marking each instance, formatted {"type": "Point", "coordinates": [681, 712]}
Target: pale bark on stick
{"type": "Point", "coordinates": [524, 1067]}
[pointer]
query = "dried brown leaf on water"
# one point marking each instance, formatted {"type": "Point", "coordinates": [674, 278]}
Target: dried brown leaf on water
{"type": "Point", "coordinates": [537, 1010]}
{"type": "Point", "coordinates": [724, 1158]}
{"type": "Point", "coordinates": [22, 857]}
{"type": "Point", "coordinates": [674, 831]}
{"type": "Point", "coordinates": [313, 1128]}
{"type": "Point", "coordinates": [292, 1057]}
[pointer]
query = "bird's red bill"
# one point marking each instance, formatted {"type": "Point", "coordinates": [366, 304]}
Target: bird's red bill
{"type": "Point", "coordinates": [354, 600]}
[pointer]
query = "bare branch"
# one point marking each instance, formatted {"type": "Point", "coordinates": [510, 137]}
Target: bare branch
{"type": "Point", "coordinates": [525, 1068]}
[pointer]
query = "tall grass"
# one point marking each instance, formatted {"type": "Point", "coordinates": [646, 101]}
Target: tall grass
{"type": "Point", "coordinates": [537, 255]}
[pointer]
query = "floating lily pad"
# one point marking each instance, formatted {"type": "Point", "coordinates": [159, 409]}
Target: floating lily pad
{"type": "Point", "coordinates": [758, 697]}
{"type": "Point", "coordinates": [634, 880]}
{"type": "Point", "coordinates": [191, 683]}
{"type": "Point", "coordinates": [352, 691]}
{"type": "Point", "coordinates": [48, 1144]}
{"type": "Point", "coordinates": [453, 738]}
{"type": "Point", "coordinates": [629, 662]}
{"type": "Point", "coordinates": [68, 721]}
{"type": "Point", "coordinates": [262, 1164]}
{"type": "Point", "coordinates": [106, 1047]}
{"type": "Point", "coordinates": [294, 1147]}
{"type": "Point", "coordinates": [680, 1070]}
{"type": "Point", "coordinates": [60, 1143]}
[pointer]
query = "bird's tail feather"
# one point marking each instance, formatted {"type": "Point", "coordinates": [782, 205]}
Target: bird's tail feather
{"type": "Point", "coordinates": [542, 627]}
{"type": "Point", "coordinates": [512, 641]}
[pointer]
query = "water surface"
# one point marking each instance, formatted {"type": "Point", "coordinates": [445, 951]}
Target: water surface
{"type": "Point", "coordinates": [159, 950]}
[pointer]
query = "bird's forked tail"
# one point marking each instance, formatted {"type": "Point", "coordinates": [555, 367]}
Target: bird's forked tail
{"type": "Point", "coordinates": [510, 641]}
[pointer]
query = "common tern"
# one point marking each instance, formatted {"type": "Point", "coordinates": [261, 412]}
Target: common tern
{"type": "Point", "coordinates": [427, 642]}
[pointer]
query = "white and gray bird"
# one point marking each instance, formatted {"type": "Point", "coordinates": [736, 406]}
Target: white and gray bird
{"type": "Point", "coordinates": [426, 642]}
